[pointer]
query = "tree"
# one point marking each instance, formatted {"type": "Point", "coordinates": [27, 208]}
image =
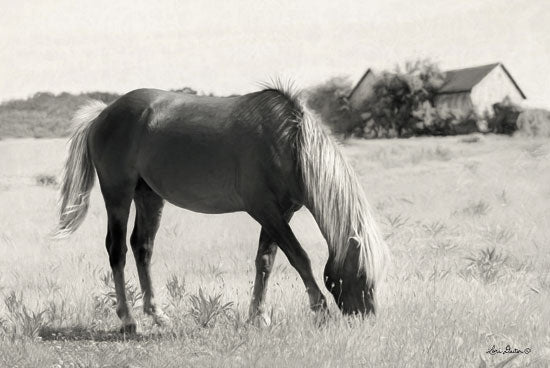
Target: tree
{"type": "Point", "coordinates": [399, 98]}
{"type": "Point", "coordinates": [329, 100]}
{"type": "Point", "coordinates": [187, 90]}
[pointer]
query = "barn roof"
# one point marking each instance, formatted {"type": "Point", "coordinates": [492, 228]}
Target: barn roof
{"type": "Point", "coordinates": [458, 80]}
{"type": "Point", "coordinates": [463, 80]}
{"type": "Point", "coordinates": [369, 70]}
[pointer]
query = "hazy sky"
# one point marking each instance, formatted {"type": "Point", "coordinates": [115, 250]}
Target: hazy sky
{"type": "Point", "coordinates": [228, 46]}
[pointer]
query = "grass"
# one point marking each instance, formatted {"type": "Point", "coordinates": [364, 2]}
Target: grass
{"type": "Point", "coordinates": [471, 269]}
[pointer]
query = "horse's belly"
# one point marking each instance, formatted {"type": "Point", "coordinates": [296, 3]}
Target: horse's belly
{"type": "Point", "coordinates": [195, 197]}
{"type": "Point", "coordinates": [204, 184]}
{"type": "Point", "coordinates": [212, 204]}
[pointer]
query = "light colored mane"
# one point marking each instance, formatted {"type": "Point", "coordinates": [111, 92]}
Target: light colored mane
{"type": "Point", "coordinates": [337, 201]}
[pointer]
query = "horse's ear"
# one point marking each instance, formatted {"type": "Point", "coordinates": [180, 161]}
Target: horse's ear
{"type": "Point", "coordinates": [354, 252]}
{"type": "Point", "coordinates": [354, 242]}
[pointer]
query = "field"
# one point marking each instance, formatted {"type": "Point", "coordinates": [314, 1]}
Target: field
{"type": "Point", "coordinates": [467, 220]}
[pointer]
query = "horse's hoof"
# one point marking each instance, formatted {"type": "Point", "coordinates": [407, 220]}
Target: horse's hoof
{"type": "Point", "coordinates": [260, 321]}
{"type": "Point", "coordinates": [129, 329]}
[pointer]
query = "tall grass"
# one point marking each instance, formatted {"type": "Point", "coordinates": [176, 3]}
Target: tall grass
{"type": "Point", "coordinates": [470, 271]}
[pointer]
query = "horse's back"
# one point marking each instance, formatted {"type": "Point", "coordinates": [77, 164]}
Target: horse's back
{"type": "Point", "coordinates": [128, 122]}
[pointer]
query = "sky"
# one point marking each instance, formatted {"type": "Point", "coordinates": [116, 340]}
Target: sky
{"type": "Point", "coordinates": [231, 46]}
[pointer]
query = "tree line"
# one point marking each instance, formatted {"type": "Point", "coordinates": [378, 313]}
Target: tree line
{"type": "Point", "coordinates": [401, 105]}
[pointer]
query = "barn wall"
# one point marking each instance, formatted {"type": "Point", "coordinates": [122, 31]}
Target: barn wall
{"type": "Point", "coordinates": [460, 104]}
{"type": "Point", "coordinates": [495, 87]}
{"type": "Point", "coordinates": [363, 92]}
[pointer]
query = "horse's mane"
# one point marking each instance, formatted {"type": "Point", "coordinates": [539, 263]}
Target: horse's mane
{"type": "Point", "coordinates": [333, 193]}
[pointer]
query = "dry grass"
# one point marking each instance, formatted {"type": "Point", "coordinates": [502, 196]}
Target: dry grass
{"type": "Point", "coordinates": [467, 222]}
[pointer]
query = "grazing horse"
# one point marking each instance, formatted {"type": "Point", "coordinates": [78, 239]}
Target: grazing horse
{"type": "Point", "coordinates": [263, 153]}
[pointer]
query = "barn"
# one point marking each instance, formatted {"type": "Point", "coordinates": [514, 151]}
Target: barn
{"type": "Point", "coordinates": [477, 89]}
{"type": "Point", "coordinates": [463, 90]}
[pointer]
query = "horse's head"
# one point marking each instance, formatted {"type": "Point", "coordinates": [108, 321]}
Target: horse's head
{"type": "Point", "coordinates": [348, 283]}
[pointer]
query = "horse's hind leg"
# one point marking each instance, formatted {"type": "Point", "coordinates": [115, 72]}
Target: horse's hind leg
{"type": "Point", "coordinates": [267, 250]}
{"type": "Point", "coordinates": [117, 202]}
{"type": "Point", "coordinates": [148, 213]}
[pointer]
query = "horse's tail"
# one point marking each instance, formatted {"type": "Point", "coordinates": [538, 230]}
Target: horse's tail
{"type": "Point", "coordinates": [78, 173]}
{"type": "Point", "coordinates": [336, 199]}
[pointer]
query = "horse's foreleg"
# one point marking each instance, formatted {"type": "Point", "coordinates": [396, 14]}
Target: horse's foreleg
{"type": "Point", "coordinates": [267, 250]}
{"type": "Point", "coordinates": [148, 214]}
{"type": "Point", "coordinates": [278, 229]}
{"type": "Point", "coordinates": [116, 247]}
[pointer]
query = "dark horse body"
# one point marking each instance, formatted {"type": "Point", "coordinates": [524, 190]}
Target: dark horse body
{"type": "Point", "coordinates": [216, 155]}
{"type": "Point", "coordinates": [209, 153]}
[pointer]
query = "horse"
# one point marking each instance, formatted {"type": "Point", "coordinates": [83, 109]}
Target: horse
{"type": "Point", "coordinates": [263, 153]}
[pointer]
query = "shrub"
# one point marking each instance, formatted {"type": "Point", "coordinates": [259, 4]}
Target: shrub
{"type": "Point", "coordinates": [479, 208]}
{"type": "Point", "coordinates": [176, 290]}
{"type": "Point", "coordinates": [24, 322]}
{"type": "Point", "coordinates": [205, 310]}
{"type": "Point", "coordinates": [486, 266]}
{"type": "Point", "coordinates": [46, 180]}
{"type": "Point", "coordinates": [534, 123]}
{"type": "Point", "coordinates": [443, 122]}
{"type": "Point", "coordinates": [504, 119]}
